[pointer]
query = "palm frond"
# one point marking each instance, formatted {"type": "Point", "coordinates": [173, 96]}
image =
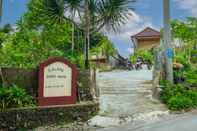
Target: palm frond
{"type": "Point", "coordinates": [113, 13]}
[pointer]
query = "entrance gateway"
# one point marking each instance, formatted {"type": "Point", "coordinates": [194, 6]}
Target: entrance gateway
{"type": "Point", "coordinates": [57, 82]}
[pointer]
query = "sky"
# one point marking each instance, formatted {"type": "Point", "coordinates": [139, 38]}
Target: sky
{"type": "Point", "coordinates": [146, 13]}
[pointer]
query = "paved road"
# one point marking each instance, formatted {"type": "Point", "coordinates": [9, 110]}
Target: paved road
{"type": "Point", "coordinates": [182, 122]}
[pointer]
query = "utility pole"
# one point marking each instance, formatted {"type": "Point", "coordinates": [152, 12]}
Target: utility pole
{"type": "Point", "coordinates": [1, 9]}
{"type": "Point", "coordinates": [167, 42]}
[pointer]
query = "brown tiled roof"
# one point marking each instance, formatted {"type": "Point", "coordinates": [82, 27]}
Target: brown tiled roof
{"type": "Point", "coordinates": [147, 33]}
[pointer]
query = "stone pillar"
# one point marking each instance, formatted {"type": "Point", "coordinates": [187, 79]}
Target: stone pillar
{"type": "Point", "coordinates": [94, 89]}
{"type": "Point", "coordinates": [157, 71]}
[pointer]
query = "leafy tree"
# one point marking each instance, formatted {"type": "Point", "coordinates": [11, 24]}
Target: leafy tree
{"type": "Point", "coordinates": [5, 32]}
{"type": "Point", "coordinates": [26, 50]}
{"type": "Point", "coordinates": [6, 28]}
{"type": "Point", "coordinates": [145, 54]}
{"type": "Point", "coordinates": [94, 14]}
{"type": "Point", "coordinates": [73, 7]}
{"type": "Point", "coordinates": [186, 31]}
{"type": "Point", "coordinates": [28, 47]}
{"type": "Point", "coordinates": [104, 48]}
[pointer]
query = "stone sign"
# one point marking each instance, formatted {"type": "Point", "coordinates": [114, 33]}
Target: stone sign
{"type": "Point", "coordinates": [57, 82]}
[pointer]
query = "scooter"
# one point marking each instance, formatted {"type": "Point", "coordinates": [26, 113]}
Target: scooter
{"type": "Point", "coordinates": [129, 66]}
{"type": "Point", "coordinates": [138, 65]}
{"type": "Point", "coordinates": [148, 64]}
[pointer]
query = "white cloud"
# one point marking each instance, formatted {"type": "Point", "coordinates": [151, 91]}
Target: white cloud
{"type": "Point", "coordinates": [122, 39]}
{"type": "Point", "coordinates": [190, 5]}
{"type": "Point", "coordinates": [135, 24]}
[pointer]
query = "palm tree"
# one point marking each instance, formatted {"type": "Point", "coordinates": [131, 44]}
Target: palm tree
{"type": "Point", "coordinates": [94, 15]}
{"type": "Point", "coordinates": [73, 8]}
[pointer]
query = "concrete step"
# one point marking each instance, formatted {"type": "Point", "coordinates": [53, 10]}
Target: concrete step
{"type": "Point", "coordinates": [117, 92]}
{"type": "Point", "coordinates": [123, 85]}
{"type": "Point", "coordinates": [144, 92]}
{"type": "Point", "coordinates": [125, 89]}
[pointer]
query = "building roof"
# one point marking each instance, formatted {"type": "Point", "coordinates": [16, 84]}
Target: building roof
{"type": "Point", "coordinates": [147, 33]}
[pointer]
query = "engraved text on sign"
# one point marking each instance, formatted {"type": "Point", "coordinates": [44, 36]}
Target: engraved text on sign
{"type": "Point", "coordinates": [57, 80]}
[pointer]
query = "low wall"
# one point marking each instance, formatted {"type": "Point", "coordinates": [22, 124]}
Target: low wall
{"type": "Point", "coordinates": [28, 79]}
{"type": "Point", "coordinates": [29, 118]}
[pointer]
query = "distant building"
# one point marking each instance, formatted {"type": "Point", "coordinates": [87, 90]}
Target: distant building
{"type": "Point", "coordinates": [112, 61]}
{"type": "Point", "coordinates": [146, 39]}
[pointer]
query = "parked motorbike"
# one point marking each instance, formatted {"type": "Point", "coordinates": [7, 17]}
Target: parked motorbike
{"type": "Point", "coordinates": [138, 65]}
{"type": "Point", "coordinates": [129, 65]}
{"type": "Point", "coordinates": [148, 64]}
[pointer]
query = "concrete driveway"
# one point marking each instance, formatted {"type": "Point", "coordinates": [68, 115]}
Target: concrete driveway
{"type": "Point", "coordinates": [126, 96]}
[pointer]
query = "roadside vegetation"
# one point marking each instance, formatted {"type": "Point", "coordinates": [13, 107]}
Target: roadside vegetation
{"type": "Point", "coordinates": [145, 54]}
{"type": "Point", "coordinates": [183, 94]}
{"type": "Point", "coordinates": [15, 97]}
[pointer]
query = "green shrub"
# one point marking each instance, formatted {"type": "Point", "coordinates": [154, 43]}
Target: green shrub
{"type": "Point", "coordinates": [179, 102]}
{"type": "Point", "coordinates": [192, 94]}
{"type": "Point", "coordinates": [14, 97]}
{"type": "Point", "coordinates": [177, 97]}
{"type": "Point", "coordinates": [183, 59]}
{"type": "Point", "coordinates": [191, 77]}
{"type": "Point", "coordinates": [170, 91]}
{"type": "Point", "coordinates": [193, 52]}
{"type": "Point", "coordinates": [194, 59]}
{"type": "Point", "coordinates": [146, 55]}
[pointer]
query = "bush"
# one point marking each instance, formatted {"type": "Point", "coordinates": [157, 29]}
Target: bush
{"type": "Point", "coordinates": [146, 55]}
{"type": "Point", "coordinates": [177, 97]}
{"type": "Point", "coordinates": [192, 94]}
{"type": "Point", "coordinates": [179, 102]}
{"type": "Point", "coordinates": [183, 59]}
{"type": "Point", "coordinates": [191, 77]}
{"type": "Point", "coordinates": [14, 97]}
{"type": "Point", "coordinates": [194, 56]}
{"type": "Point", "coordinates": [170, 91]}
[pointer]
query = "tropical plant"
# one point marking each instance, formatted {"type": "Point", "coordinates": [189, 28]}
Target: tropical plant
{"type": "Point", "coordinates": [93, 14]}
{"type": "Point", "coordinates": [14, 97]}
{"type": "Point", "coordinates": [5, 33]}
{"type": "Point", "coordinates": [194, 56]}
{"type": "Point", "coordinates": [178, 97]}
{"type": "Point", "coordinates": [179, 102]}
{"type": "Point", "coordinates": [104, 48]}
{"type": "Point", "coordinates": [186, 32]}
{"type": "Point", "coordinates": [27, 50]}
{"type": "Point", "coordinates": [191, 77]}
{"type": "Point", "coordinates": [73, 9]}
{"type": "Point", "coordinates": [145, 54]}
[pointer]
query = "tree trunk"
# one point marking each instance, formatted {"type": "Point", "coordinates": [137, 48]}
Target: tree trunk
{"type": "Point", "coordinates": [73, 32]}
{"type": "Point", "coordinates": [87, 33]}
{"type": "Point", "coordinates": [2, 77]}
{"type": "Point", "coordinates": [73, 35]}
